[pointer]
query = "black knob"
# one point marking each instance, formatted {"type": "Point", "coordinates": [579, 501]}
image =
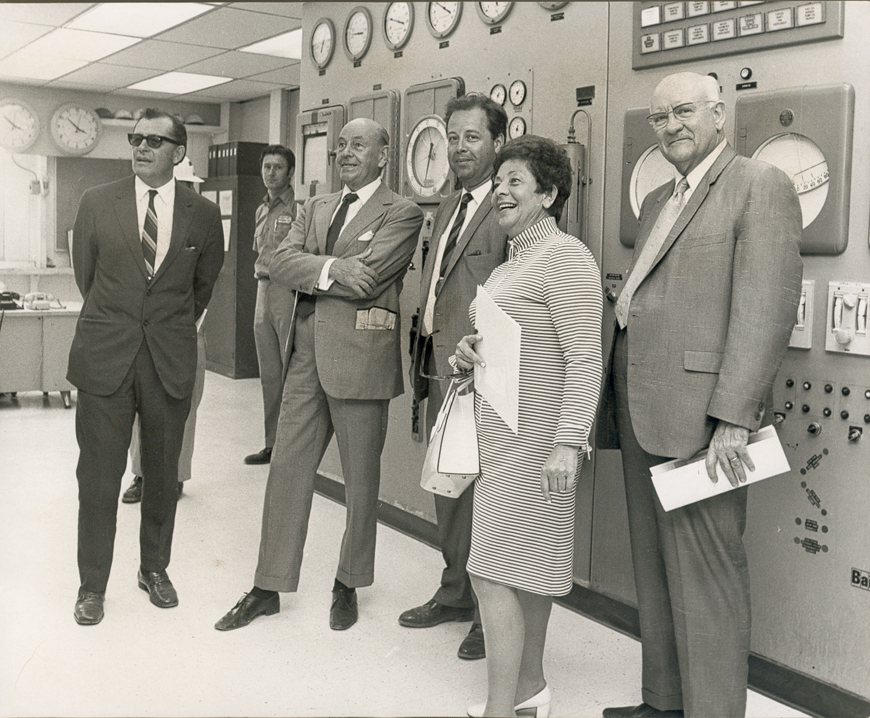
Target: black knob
{"type": "Point", "coordinates": [867, 418]}
{"type": "Point", "coordinates": [846, 391]}
{"type": "Point", "coordinates": [844, 414]}
{"type": "Point", "coordinates": [826, 411]}
{"type": "Point", "coordinates": [828, 388]}
{"type": "Point", "coordinates": [807, 386]}
{"type": "Point", "coordinates": [814, 428]}
{"type": "Point", "coordinates": [789, 405]}
{"type": "Point", "coordinates": [790, 383]}
{"type": "Point", "coordinates": [805, 408]}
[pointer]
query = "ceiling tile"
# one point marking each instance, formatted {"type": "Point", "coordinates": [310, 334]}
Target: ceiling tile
{"type": "Point", "coordinates": [238, 64]}
{"type": "Point", "coordinates": [39, 13]}
{"type": "Point", "coordinates": [286, 76]}
{"type": "Point", "coordinates": [287, 9]}
{"type": "Point", "coordinates": [109, 76]}
{"type": "Point", "coordinates": [125, 92]}
{"type": "Point", "coordinates": [142, 19]}
{"type": "Point", "coordinates": [229, 28]}
{"type": "Point", "coordinates": [235, 91]}
{"type": "Point", "coordinates": [37, 67]}
{"type": "Point", "coordinates": [15, 35]}
{"type": "Point", "coordinates": [157, 55]}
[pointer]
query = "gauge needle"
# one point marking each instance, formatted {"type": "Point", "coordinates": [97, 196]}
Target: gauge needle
{"type": "Point", "coordinates": [401, 22]}
{"type": "Point", "coordinates": [429, 160]}
{"type": "Point", "coordinates": [78, 129]}
{"type": "Point", "coordinates": [12, 123]}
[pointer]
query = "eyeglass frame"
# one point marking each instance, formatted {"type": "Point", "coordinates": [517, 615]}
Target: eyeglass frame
{"type": "Point", "coordinates": [652, 122]}
{"type": "Point", "coordinates": [149, 139]}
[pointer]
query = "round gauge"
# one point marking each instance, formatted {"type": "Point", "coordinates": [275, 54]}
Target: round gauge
{"type": "Point", "coordinates": [19, 125]}
{"type": "Point", "coordinates": [443, 17]}
{"type": "Point", "coordinates": [322, 42]}
{"type": "Point", "coordinates": [398, 24]}
{"type": "Point", "coordinates": [426, 161]}
{"type": "Point", "coordinates": [650, 171]}
{"type": "Point", "coordinates": [801, 159]}
{"type": "Point", "coordinates": [493, 13]}
{"type": "Point", "coordinates": [517, 92]}
{"type": "Point", "coordinates": [517, 128]}
{"type": "Point", "coordinates": [498, 94]}
{"type": "Point", "coordinates": [75, 129]}
{"type": "Point", "coordinates": [358, 33]}
{"type": "Point", "coordinates": [552, 5]}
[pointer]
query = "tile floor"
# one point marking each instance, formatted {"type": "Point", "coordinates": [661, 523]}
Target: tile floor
{"type": "Point", "coordinates": [144, 661]}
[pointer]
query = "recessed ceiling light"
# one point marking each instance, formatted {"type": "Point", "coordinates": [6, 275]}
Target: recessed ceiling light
{"type": "Point", "coordinates": [36, 66]}
{"type": "Point", "coordinates": [179, 83]}
{"type": "Point", "coordinates": [288, 44]}
{"type": "Point", "coordinates": [138, 19]}
{"type": "Point", "coordinates": [79, 44]}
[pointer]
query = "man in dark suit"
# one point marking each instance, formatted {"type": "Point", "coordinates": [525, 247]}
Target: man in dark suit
{"type": "Point", "coordinates": [146, 254]}
{"type": "Point", "coordinates": [703, 324]}
{"type": "Point", "coordinates": [467, 244]}
{"type": "Point", "coordinates": [345, 257]}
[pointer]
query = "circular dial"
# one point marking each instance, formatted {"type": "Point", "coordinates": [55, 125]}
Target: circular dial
{"type": "Point", "coordinates": [493, 13]}
{"type": "Point", "coordinates": [426, 162]}
{"type": "Point", "coordinates": [443, 17]}
{"type": "Point", "coordinates": [358, 33]}
{"type": "Point", "coordinates": [518, 92]}
{"type": "Point", "coordinates": [498, 94]}
{"type": "Point", "coordinates": [19, 125]}
{"type": "Point", "coordinates": [801, 159]}
{"type": "Point", "coordinates": [398, 24]}
{"type": "Point", "coordinates": [76, 130]}
{"type": "Point", "coordinates": [552, 5]}
{"type": "Point", "coordinates": [322, 42]}
{"type": "Point", "coordinates": [517, 128]}
{"type": "Point", "coordinates": [650, 171]}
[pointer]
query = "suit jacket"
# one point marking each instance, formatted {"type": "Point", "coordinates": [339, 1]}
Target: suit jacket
{"type": "Point", "coordinates": [357, 350]}
{"type": "Point", "coordinates": [121, 307]}
{"type": "Point", "coordinates": [709, 325]}
{"type": "Point", "coordinates": [479, 250]}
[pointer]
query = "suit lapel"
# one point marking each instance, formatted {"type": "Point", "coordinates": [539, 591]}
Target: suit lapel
{"type": "Point", "coordinates": [181, 219]}
{"type": "Point", "coordinates": [368, 213]}
{"type": "Point", "coordinates": [480, 214]}
{"type": "Point", "coordinates": [128, 219]}
{"type": "Point", "coordinates": [443, 216]}
{"type": "Point", "coordinates": [322, 216]}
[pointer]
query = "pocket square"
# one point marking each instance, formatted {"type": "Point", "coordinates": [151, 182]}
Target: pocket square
{"type": "Point", "coordinates": [365, 237]}
{"type": "Point", "coordinates": [191, 248]}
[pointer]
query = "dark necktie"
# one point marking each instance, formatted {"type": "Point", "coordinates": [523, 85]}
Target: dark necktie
{"type": "Point", "coordinates": [338, 222]}
{"type": "Point", "coordinates": [453, 237]}
{"type": "Point", "coordinates": [149, 235]}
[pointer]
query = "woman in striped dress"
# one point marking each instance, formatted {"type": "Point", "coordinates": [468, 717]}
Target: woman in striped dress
{"type": "Point", "coordinates": [522, 539]}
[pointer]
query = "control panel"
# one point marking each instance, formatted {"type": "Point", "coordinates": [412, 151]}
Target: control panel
{"type": "Point", "coordinates": [802, 334]}
{"type": "Point", "coordinates": [847, 318]}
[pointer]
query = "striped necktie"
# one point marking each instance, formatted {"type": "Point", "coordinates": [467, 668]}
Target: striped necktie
{"type": "Point", "coordinates": [453, 237]}
{"type": "Point", "coordinates": [665, 222]}
{"type": "Point", "coordinates": [149, 235]}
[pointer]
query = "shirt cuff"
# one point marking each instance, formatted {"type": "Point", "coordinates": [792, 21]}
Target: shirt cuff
{"type": "Point", "coordinates": [324, 282]}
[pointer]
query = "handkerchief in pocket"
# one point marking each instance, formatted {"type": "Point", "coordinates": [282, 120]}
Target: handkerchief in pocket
{"type": "Point", "coordinates": [365, 237]}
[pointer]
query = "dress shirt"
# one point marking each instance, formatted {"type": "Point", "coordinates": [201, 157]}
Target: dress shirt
{"type": "Point", "coordinates": [164, 207]}
{"type": "Point", "coordinates": [280, 213]}
{"type": "Point", "coordinates": [694, 177]}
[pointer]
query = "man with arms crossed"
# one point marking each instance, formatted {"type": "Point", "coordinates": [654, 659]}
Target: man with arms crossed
{"type": "Point", "coordinates": [467, 245]}
{"type": "Point", "coordinates": [704, 322]}
{"type": "Point", "coordinates": [345, 257]}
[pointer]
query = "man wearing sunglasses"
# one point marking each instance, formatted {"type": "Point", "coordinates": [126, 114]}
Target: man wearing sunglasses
{"type": "Point", "coordinates": [146, 253]}
{"type": "Point", "coordinates": [703, 323]}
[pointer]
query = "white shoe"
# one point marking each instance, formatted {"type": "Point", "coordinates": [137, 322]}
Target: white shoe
{"type": "Point", "coordinates": [540, 703]}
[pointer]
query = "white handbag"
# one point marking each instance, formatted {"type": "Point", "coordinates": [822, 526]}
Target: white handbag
{"type": "Point", "coordinates": [452, 460]}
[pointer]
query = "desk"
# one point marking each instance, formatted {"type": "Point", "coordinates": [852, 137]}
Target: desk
{"type": "Point", "coordinates": [34, 348]}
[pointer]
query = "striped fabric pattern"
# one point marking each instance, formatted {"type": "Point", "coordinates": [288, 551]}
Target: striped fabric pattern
{"type": "Point", "coordinates": [551, 286]}
{"type": "Point", "coordinates": [149, 234]}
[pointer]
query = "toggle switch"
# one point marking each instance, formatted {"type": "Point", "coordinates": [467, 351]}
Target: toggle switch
{"type": "Point", "coordinates": [848, 307]}
{"type": "Point", "coordinates": [855, 433]}
{"type": "Point", "coordinates": [815, 428]}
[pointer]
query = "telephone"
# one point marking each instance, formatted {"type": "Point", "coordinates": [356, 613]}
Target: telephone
{"type": "Point", "coordinates": [10, 300]}
{"type": "Point", "coordinates": [41, 301]}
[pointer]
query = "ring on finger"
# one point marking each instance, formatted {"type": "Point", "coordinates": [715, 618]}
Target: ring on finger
{"type": "Point", "coordinates": [734, 460]}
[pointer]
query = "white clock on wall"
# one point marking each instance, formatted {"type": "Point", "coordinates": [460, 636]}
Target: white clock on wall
{"type": "Point", "coordinates": [322, 42]}
{"type": "Point", "coordinates": [398, 24]}
{"type": "Point", "coordinates": [492, 13]}
{"type": "Point", "coordinates": [426, 167]}
{"type": "Point", "coordinates": [76, 130]}
{"type": "Point", "coordinates": [19, 125]}
{"type": "Point", "coordinates": [442, 18]}
{"type": "Point", "coordinates": [358, 33]}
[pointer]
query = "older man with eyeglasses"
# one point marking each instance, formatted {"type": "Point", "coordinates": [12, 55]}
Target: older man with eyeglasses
{"type": "Point", "coordinates": [703, 323]}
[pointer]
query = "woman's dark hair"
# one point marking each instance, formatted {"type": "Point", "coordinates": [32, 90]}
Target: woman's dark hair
{"type": "Point", "coordinates": [548, 163]}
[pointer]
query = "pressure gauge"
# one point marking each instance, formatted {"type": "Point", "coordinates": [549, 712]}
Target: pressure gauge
{"type": "Point", "coordinates": [398, 24]}
{"type": "Point", "coordinates": [75, 130]}
{"type": "Point", "coordinates": [518, 92]}
{"type": "Point", "coordinates": [650, 171]}
{"type": "Point", "coordinates": [322, 42]}
{"type": "Point", "coordinates": [358, 33]}
{"type": "Point", "coordinates": [801, 159]}
{"type": "Point", "coordinates": [443, 17]}
{"type": "Point", "coordinates": [517, 128]}
{"type": "Point", "coordinates": [19, 125]}
{"type": "Point", "coordinates": [498, 94]}
{"type": "Point", "coordinates": [492, 13]}
{"type": "Point", "coordinates": [552, 5]}
{"type": "Point", "coordinates": [426, 164]}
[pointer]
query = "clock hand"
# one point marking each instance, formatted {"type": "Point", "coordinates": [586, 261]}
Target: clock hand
{"type": "Point", "coordinates": [14, 126]}
{"type": "Point", "coordinates": [78, 129]}
{"type": "Point", "coordinates": [428, 160]}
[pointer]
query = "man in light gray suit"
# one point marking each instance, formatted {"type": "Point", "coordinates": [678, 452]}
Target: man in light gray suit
{"type": "Point", "coordinates": [703, 324]}
{"type": "Point", "coordinates": [345, 257]}
{"type": "Point", "coordinates": [467, 244]}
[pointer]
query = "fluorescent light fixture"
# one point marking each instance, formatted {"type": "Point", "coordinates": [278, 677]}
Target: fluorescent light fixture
{"type": "Point", "coordinates": [179, 83]}
{"type": "Point", "coordinates": [288, 44]}
{"type": "Point", "coordinates": [36, 66]}
{"type": "Point", "coordinates": [79, 44]}
{"type": "Point", "coordinates": [137, 18]}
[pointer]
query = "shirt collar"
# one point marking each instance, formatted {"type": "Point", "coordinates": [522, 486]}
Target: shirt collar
{"type": "Point", "coordinates": [286, 197]}
{"type": "Point", "coordinates": [481, 194]}
{"type": "Point", "coordinates": [694, 177]}
{"type": "Point", "coordinates": [530, 236]}
{"type": "Point", "coordinates": [165, 192]}
{"type": "Point", "coordinates": [364, 193]}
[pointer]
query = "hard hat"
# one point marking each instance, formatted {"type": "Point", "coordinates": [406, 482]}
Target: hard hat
{"type": "Point", "coordinates": [183, 171]}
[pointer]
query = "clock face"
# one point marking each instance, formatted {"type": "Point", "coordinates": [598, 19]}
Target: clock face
{"type": "Point", "coordinates": [493, 12]}
{"type": "Point", "coordinates": [650, 171]}
{"type": "Point", "coordinates": [322, 42]}
{"type": "Point", "coordinates": [358, 33]}
{"type": "Point", "coordinates": [518, 92]}
{"type": "Point", "coordinates": [498, 94]}
{"type": "Point", "coordinates": [426, 162]}
{"type": "Point", "coordinates": [443, 17]}
{"type": "Point", "coordinates": [75, 129]}
{"type": "Point", "coordinates": [517, 128]}
{"type": "Point", "coordinates": [19, 126]}
{"type": "Point", "coordinates": [398, 24]}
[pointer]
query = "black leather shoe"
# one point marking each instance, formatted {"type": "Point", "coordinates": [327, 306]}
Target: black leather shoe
{"type": "Point", "coordinates": [133, 495]}
{"type": "Point", "coordinates": [432, 613]}
{"type": "Point", "coordinates": [89, 608]}
{"type": "Point", "coordinates": [644, 710]}
{"type": "Point", "coordinates": [472, 646]}
{"type": "Point", "coordinates": [344, 612]}
{"type": "Point", "coordinates": [261, 457]}
{"type": "Point", "coordinates": [159, 587]}
{"type": "Point", "coordinates": [180, 488]}
{"type": "Point", "coordinates": [247, 609]}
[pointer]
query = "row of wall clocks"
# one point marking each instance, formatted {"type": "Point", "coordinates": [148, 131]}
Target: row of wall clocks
{"type": "Point", "coordinates": [74, 129]}
{"type": "Point", "coordinates": [442, 18]}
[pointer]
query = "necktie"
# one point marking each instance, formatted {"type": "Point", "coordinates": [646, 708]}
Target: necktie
{"type": "Point", "coordinates": [338, 222]}
{"type": "Point", "coordinates": [149, 234]}
{"type": "Point", "coordinates": [654, 242]}
{"type": "Point", "coordinates": [454, 233]}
